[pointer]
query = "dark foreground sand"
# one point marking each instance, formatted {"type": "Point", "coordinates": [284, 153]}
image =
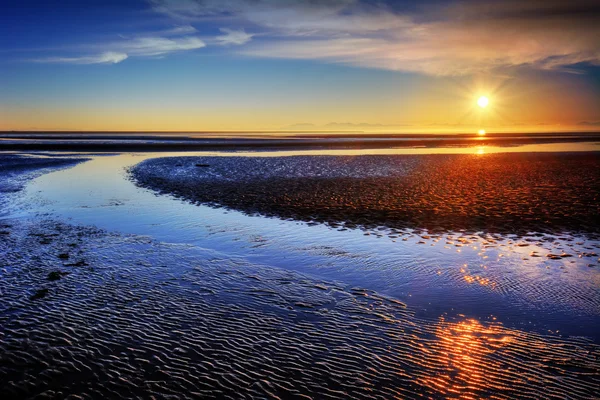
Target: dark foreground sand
{"type": "Point", "coordinates": [89, 314]}
{"type": "Point", "coordinates": [503, 193]}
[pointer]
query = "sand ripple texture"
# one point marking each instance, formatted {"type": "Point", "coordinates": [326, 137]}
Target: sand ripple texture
{"type": "Point", "coordinates": [499, 193]}
{"type": "Point", "coordinates": [86, 314]}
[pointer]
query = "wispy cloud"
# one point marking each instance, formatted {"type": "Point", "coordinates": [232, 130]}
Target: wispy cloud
{"type": "Point", "coordinates": [456, 38]}
{"type": "Point", "coordinates": [155, 46]}
{"type": "Point", "coordinates": [179, 30]}
{"type": "Point", "coordinates": [104, 58]}
{"type": "Point", "coordinates": [233, 37]}
{"type": "Point", "coordinates": [168, 41]}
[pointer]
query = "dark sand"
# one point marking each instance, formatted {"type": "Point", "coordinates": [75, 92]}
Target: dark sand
{"type": "Point", "coordinates": [503, 193]}
{"type": "Point", "coordinates": [89, 314]}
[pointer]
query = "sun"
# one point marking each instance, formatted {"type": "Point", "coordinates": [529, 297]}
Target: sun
{"type": "Point", "coordinates": [483, 102]}
{"type": "Point", "coordinates": [481, 132]}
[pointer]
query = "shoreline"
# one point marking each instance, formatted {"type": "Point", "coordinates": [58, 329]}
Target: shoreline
{"type": "Point", "coordinates": [548, 193]}
{"type": "Point", "coordinates": [17, 170]}
{"type": "Point", "coordinates": [156, 143]}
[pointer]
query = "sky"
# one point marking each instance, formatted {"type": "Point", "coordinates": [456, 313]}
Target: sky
{"type": "Point", "coordinates": [279, 65]}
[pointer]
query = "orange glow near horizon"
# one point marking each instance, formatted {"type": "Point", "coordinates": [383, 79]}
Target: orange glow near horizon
{"type": "Point", "coordinates": [446, 106]}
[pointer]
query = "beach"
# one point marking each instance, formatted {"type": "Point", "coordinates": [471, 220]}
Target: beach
{"type": "Point", "coordinates": [312, 200]}
{"type": "Point", "coordinates": [98, 304]}
{"type": "Point", "coordinates": [502, 193]}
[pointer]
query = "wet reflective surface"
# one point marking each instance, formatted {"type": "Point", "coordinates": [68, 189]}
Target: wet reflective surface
{"type": "Point", "coordinates": [133, 318]}
{"type": "Point", "coordinates": [450, 273]}
{"type": "Point", "coordinates": [187, 298]}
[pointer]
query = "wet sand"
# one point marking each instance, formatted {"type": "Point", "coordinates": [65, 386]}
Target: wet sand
{"type": "Point", "coordinates": [92, 314]}
{"type": "Point", "coordinates": [518, 194]}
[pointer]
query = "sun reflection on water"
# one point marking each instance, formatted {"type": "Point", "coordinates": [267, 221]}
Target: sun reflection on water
{"type": "Point", "coordinates": [467, 348]}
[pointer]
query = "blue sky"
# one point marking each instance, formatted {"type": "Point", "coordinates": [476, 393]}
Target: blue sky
{"type": "Point", "coordinates": [266, 64]}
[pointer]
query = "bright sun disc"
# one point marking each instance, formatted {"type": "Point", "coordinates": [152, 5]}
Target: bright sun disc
{"type": "Point", "coordinates": [481, 132]}
{"type": "Point", "coordinates": [482, 102]}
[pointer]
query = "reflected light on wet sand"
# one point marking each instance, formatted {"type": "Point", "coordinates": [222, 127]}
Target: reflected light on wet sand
{"type": "Point", "coordinates": [487, 359]}
{"type": "Point", "coordinates": [466, 346]}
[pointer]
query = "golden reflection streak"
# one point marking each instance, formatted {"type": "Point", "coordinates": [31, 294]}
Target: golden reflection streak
{"type": "Point", "coordinates": [465, 347]}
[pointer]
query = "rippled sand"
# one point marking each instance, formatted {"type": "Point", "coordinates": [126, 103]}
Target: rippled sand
{"type": "Point", "coordinates": [501, 193]}
{"type": "Point", "coordinates": [93, 314]}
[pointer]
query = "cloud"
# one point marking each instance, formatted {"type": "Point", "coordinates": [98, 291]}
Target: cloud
{"type": "Point", "coordinates": [451, 38]}
{"type": "Point", "coordinates": [104, 58]}
{"type": "Point", "coordinates": [155, 46]}
{"type": "Point", "coordinates": [179, 30]}
{"type": "Point", "coordinates": [233, 37]}
{"type": "Point", "coordinates": [193, 9]}
{"type": "Point", "coordinates": [145, 46]}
